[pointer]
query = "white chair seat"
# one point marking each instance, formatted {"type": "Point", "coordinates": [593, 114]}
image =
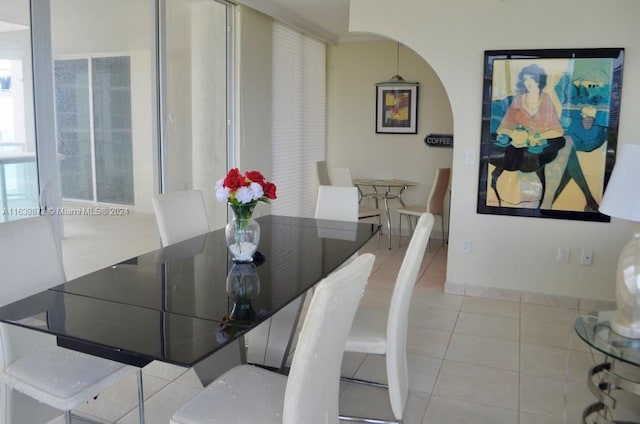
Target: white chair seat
{"type": "Point", "coordinates": [414, 210]}
{"type": "Point", "coordinates": [258, 393]}
{"type": "Point", "coordinates": [61, 377]}
{"type": "Point", "coordinates": [368, 332]}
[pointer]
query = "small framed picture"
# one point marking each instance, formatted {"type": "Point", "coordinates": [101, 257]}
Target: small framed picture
{"type": "Point", "coordinates": [396, 108]}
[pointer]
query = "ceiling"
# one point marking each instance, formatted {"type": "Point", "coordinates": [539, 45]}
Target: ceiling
{"type": "Point", "coordinates": [324, 19]}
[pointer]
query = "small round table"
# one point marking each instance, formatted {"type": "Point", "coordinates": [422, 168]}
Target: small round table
{"type": "Point", "coordinates": [603, 379]}
{"type": "Point", "coordinates": [386, 195]}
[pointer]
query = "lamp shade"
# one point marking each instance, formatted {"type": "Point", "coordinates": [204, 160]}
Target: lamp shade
{"type": "Point", "coordinates": [622, 195]}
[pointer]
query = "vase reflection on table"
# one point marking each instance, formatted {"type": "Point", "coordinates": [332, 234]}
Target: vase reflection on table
{"type": "Point", "coordinates": [243, 285]}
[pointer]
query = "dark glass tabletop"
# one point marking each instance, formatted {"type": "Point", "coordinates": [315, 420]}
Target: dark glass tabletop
{"type": "Point", "coordinates": [174, 304]}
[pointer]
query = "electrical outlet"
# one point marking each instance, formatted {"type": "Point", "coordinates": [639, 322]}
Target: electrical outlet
{"type": "Point", "coordinates": [563, 254]}
{"type": "Point", "coordinates": [470, 157]}
{"type": "Point", "coordinates": [586, 257]}
{"type": "Point", "coordinates": [465, 246]}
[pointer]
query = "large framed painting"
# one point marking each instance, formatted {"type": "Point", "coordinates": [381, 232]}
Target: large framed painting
{"type": "Point", "coordinates": [397, 108]}
{"type": "Point", "coordinates": [549, 131]}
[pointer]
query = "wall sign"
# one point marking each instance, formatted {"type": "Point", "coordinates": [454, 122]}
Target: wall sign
{"type": "Point", "coordinates": [439, 140]}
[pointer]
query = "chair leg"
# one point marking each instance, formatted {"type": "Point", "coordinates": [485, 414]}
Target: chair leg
{"type": "Point", "coordinates": [363, 419]}
{"type": "Point", "coordinates": [140, 396]}
{"type": "Point", "coordinates": [364, 382]}
{"type": "Point", "coordinates": [367, 420]}
{"type": "Point", "coordinates": [400, 228]}
{"type": "Point", "coordinates": [68, 418]}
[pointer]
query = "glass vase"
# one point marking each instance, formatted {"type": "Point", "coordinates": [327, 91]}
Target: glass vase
{"type": "Point", "coordinates": [242, 233]}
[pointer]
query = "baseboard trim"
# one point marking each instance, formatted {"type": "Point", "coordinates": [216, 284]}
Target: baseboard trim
{"type": "Point", "coordinates": [568, 302]}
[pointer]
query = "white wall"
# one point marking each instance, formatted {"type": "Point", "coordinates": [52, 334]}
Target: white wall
{"type": "Point", "coordinates": [353, 69]}
{"type": "Point", "coordinates": [512, 253]}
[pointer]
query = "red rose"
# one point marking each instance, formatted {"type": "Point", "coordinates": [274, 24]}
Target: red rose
{"type": "Point", "coordinates": [256, 177]}
{"type": "Point", "coordinates": [234, 180]}
{"type": "Point", "coordinates": [270, 191]}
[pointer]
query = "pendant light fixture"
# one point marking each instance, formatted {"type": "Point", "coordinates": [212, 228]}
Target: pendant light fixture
{"type": "Point", "coordinates": [397, 78]}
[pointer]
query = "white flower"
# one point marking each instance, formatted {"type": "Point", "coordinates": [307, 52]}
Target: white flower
{"type": "Point", "coordinates": [244, 195]}
{"type": "Point", "coordinates": [256, 190]}
{"type": "Point", "coordinates": [222, 193]}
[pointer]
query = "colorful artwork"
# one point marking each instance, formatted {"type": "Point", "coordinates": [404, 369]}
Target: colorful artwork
{"type": "Point", "coordinates": [549, 131]}
{"type": "Point", "coordinates": [396, 109]}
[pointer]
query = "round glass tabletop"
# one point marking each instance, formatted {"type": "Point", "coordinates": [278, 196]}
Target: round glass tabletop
{"type": "Point", "coordinates": [594, 329]}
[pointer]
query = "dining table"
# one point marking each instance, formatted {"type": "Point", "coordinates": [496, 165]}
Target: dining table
{"type": "Point", "coordinates": [184, 303]}
{"type": "Point", "coordinates": [385, 190]}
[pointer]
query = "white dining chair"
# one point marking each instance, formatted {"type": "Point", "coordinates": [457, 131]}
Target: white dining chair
{"type": "Point", "coordinates": [434, 205]}
{"type": "Point", "coordinates": [30, 361]}
{"type": "Point", "coordinates": [337, 203]}
{"type": "Point", "coordinates": [341, 176]}
{"type": "Point", "coordinates": [378, 332]}
{"type": "Point", "coordinates": [180, 215]}
{"type": "Point", "coordinates": [322, 172]}
{"type": "Point", "coordinates": [309, 395]}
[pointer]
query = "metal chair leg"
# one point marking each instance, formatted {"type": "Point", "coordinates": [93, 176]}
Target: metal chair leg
{"type": "Point", "coordinates": [140, 397]}
{"type": "Point", "coordinates": [400, 231]}
{"type": "Point", "coordinates": [367, 420]}
{"type": "Point", "coordinates": [364, 419]}
{"type": "Point", "coordinates": [364, 382]}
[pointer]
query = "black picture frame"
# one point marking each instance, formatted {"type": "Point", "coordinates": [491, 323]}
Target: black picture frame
{"type": "Point", "coordinates": [549, 155]}
{"type": "Point", "coordinates": [397, 108]}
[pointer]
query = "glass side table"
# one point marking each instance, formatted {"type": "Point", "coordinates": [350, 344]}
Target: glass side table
{"type": "Point", "coordinates": [610, 376]}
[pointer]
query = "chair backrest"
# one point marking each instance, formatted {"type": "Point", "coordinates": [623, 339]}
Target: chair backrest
{"type": "Point", "coordinates": [30, 262]}
{"type": "Point", "coordinates": [322, 171]}
{"type": "Point", "coordinates": [313, 385]}
{"type": "Point", "coordinates": [337, 203]}
{"type": "Point", "coordinates": [399, 314]}
{"type": "Point", "coordinates": [180, 215]}
{"type": "Point", "coordinates": [340, 176]}
{"type": "Point", "coordinates": [435, 201]}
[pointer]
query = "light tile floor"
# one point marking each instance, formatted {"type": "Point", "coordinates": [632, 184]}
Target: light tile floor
{"type": "Point", "coordinates": [471, 360]}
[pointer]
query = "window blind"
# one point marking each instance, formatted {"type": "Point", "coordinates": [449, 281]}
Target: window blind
{"type": "Point", "coordinates": [298, 119]}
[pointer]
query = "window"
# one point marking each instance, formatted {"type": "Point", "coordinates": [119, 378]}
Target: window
{"type": "Point", "coordinates": [93, 120]}
{"type": "Point", "coordinates": [298, 119]}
